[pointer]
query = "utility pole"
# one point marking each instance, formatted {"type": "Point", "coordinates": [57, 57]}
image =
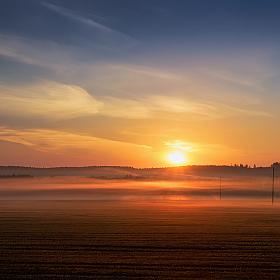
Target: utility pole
{"type": "Point", "coordinates": [220, 188]}
{"type": "Point", "coordinates": [272, 191]}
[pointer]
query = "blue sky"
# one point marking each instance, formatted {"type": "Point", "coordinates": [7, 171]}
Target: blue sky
{"type": "Point", "coordinates": [129, 82]}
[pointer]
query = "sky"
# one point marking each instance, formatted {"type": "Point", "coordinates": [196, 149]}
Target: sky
{"type": "Point", "coordinates": [129, 82]}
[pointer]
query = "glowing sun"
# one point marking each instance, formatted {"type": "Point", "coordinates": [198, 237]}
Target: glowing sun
{"type": "Point", "coordinates": [177, 158]}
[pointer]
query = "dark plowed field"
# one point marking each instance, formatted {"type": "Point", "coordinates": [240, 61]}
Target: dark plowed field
{"type": "Point", "coordinates": [139, 240]}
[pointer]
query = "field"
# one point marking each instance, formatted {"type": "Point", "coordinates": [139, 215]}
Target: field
{"type": "Point", "coordinates": [149, 237]}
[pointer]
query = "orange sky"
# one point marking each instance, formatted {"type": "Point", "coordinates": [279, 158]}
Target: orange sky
{"type": "Point", "coordinates": [108, 88]}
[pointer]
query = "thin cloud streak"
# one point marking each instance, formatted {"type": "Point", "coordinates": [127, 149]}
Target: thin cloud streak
{"type": "Point", "coordinates": [161, 107]}
{"type": "Point", "coordinates": [155, 90]}
{"type": "Point", "coordinates": [147, 71]}
{"type": "Point", "coordinates": [47, 99]}
{"type": "Point", "coordinates": [70, 14]}
{"type": "Point", "coordinates": [45, 54]}
{"type": "Point", "coordinates": [155, 107]}
{"type": "Point", "coordinates": [108, 38]}
{"type": "Point", "coordinates": [59, 101]}
{"type": "Point", "coordinates": [76, 145]}
{"type": "Point", "coordinates": [202, 148]}
{"type": "Point", "coordinates": [133, 101]}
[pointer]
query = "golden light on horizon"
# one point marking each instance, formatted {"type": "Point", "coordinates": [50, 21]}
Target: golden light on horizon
{"type": "Point", "coordinates": [176, 158]}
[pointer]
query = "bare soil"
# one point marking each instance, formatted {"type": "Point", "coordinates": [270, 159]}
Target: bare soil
{"type": "Point", "coordinates": [139, 240]}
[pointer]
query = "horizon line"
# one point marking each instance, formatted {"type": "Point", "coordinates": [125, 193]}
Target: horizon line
{"type": "Point", "coordinates": [163, 167]}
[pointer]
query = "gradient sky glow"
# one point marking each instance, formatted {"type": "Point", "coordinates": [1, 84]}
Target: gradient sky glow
{"type": "Point", "coordinates": [128, 82]}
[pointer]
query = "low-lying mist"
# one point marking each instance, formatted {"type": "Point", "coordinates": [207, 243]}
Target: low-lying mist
{"type": "Point", "coordinates": [81, 188]}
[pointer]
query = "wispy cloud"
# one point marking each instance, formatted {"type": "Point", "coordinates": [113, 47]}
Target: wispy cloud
{"type": "Point", "coordinates": [171, 107]}
{"type": "Point", "coordinates": [46, 54]}
{"type": "Point", "coordinates": [104, 36]}
{"type": "Point", "coordinates": [123, 91]}
{"type": "Point", "coordinates": [60, 56]}
{"type": "Point", "coordinates": [185, 146]}
{"type": "Point", "coordinates": [237, 77]}
{"type": "Point", "coordinates": [228, 111]}
{"type": "Point", "coordinates": [125, 108]}
{"type": "Point", "coordinates": [135, 91]}
{"type": "Point", "coordinates": [74, 16]}
{"type": "Point", "coordinates": [47, 99]}
{"type": "Point", "coordinates": [155, 107]}
{"type": "Point", "coordinates": [202, 148]}
{"type": "Point", "coordinates": [182, 105]}
{"type": "Point", "coordinates": [147, 71]}
{"type": "Point", "coordinates": [78, 145]}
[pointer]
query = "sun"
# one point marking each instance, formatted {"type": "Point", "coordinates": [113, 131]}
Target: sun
{"type": "Point", "coordinates": [177, 158]}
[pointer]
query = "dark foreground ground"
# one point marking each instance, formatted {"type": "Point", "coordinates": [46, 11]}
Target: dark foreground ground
{"type": "Point", "coordinates": [139, 240]}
